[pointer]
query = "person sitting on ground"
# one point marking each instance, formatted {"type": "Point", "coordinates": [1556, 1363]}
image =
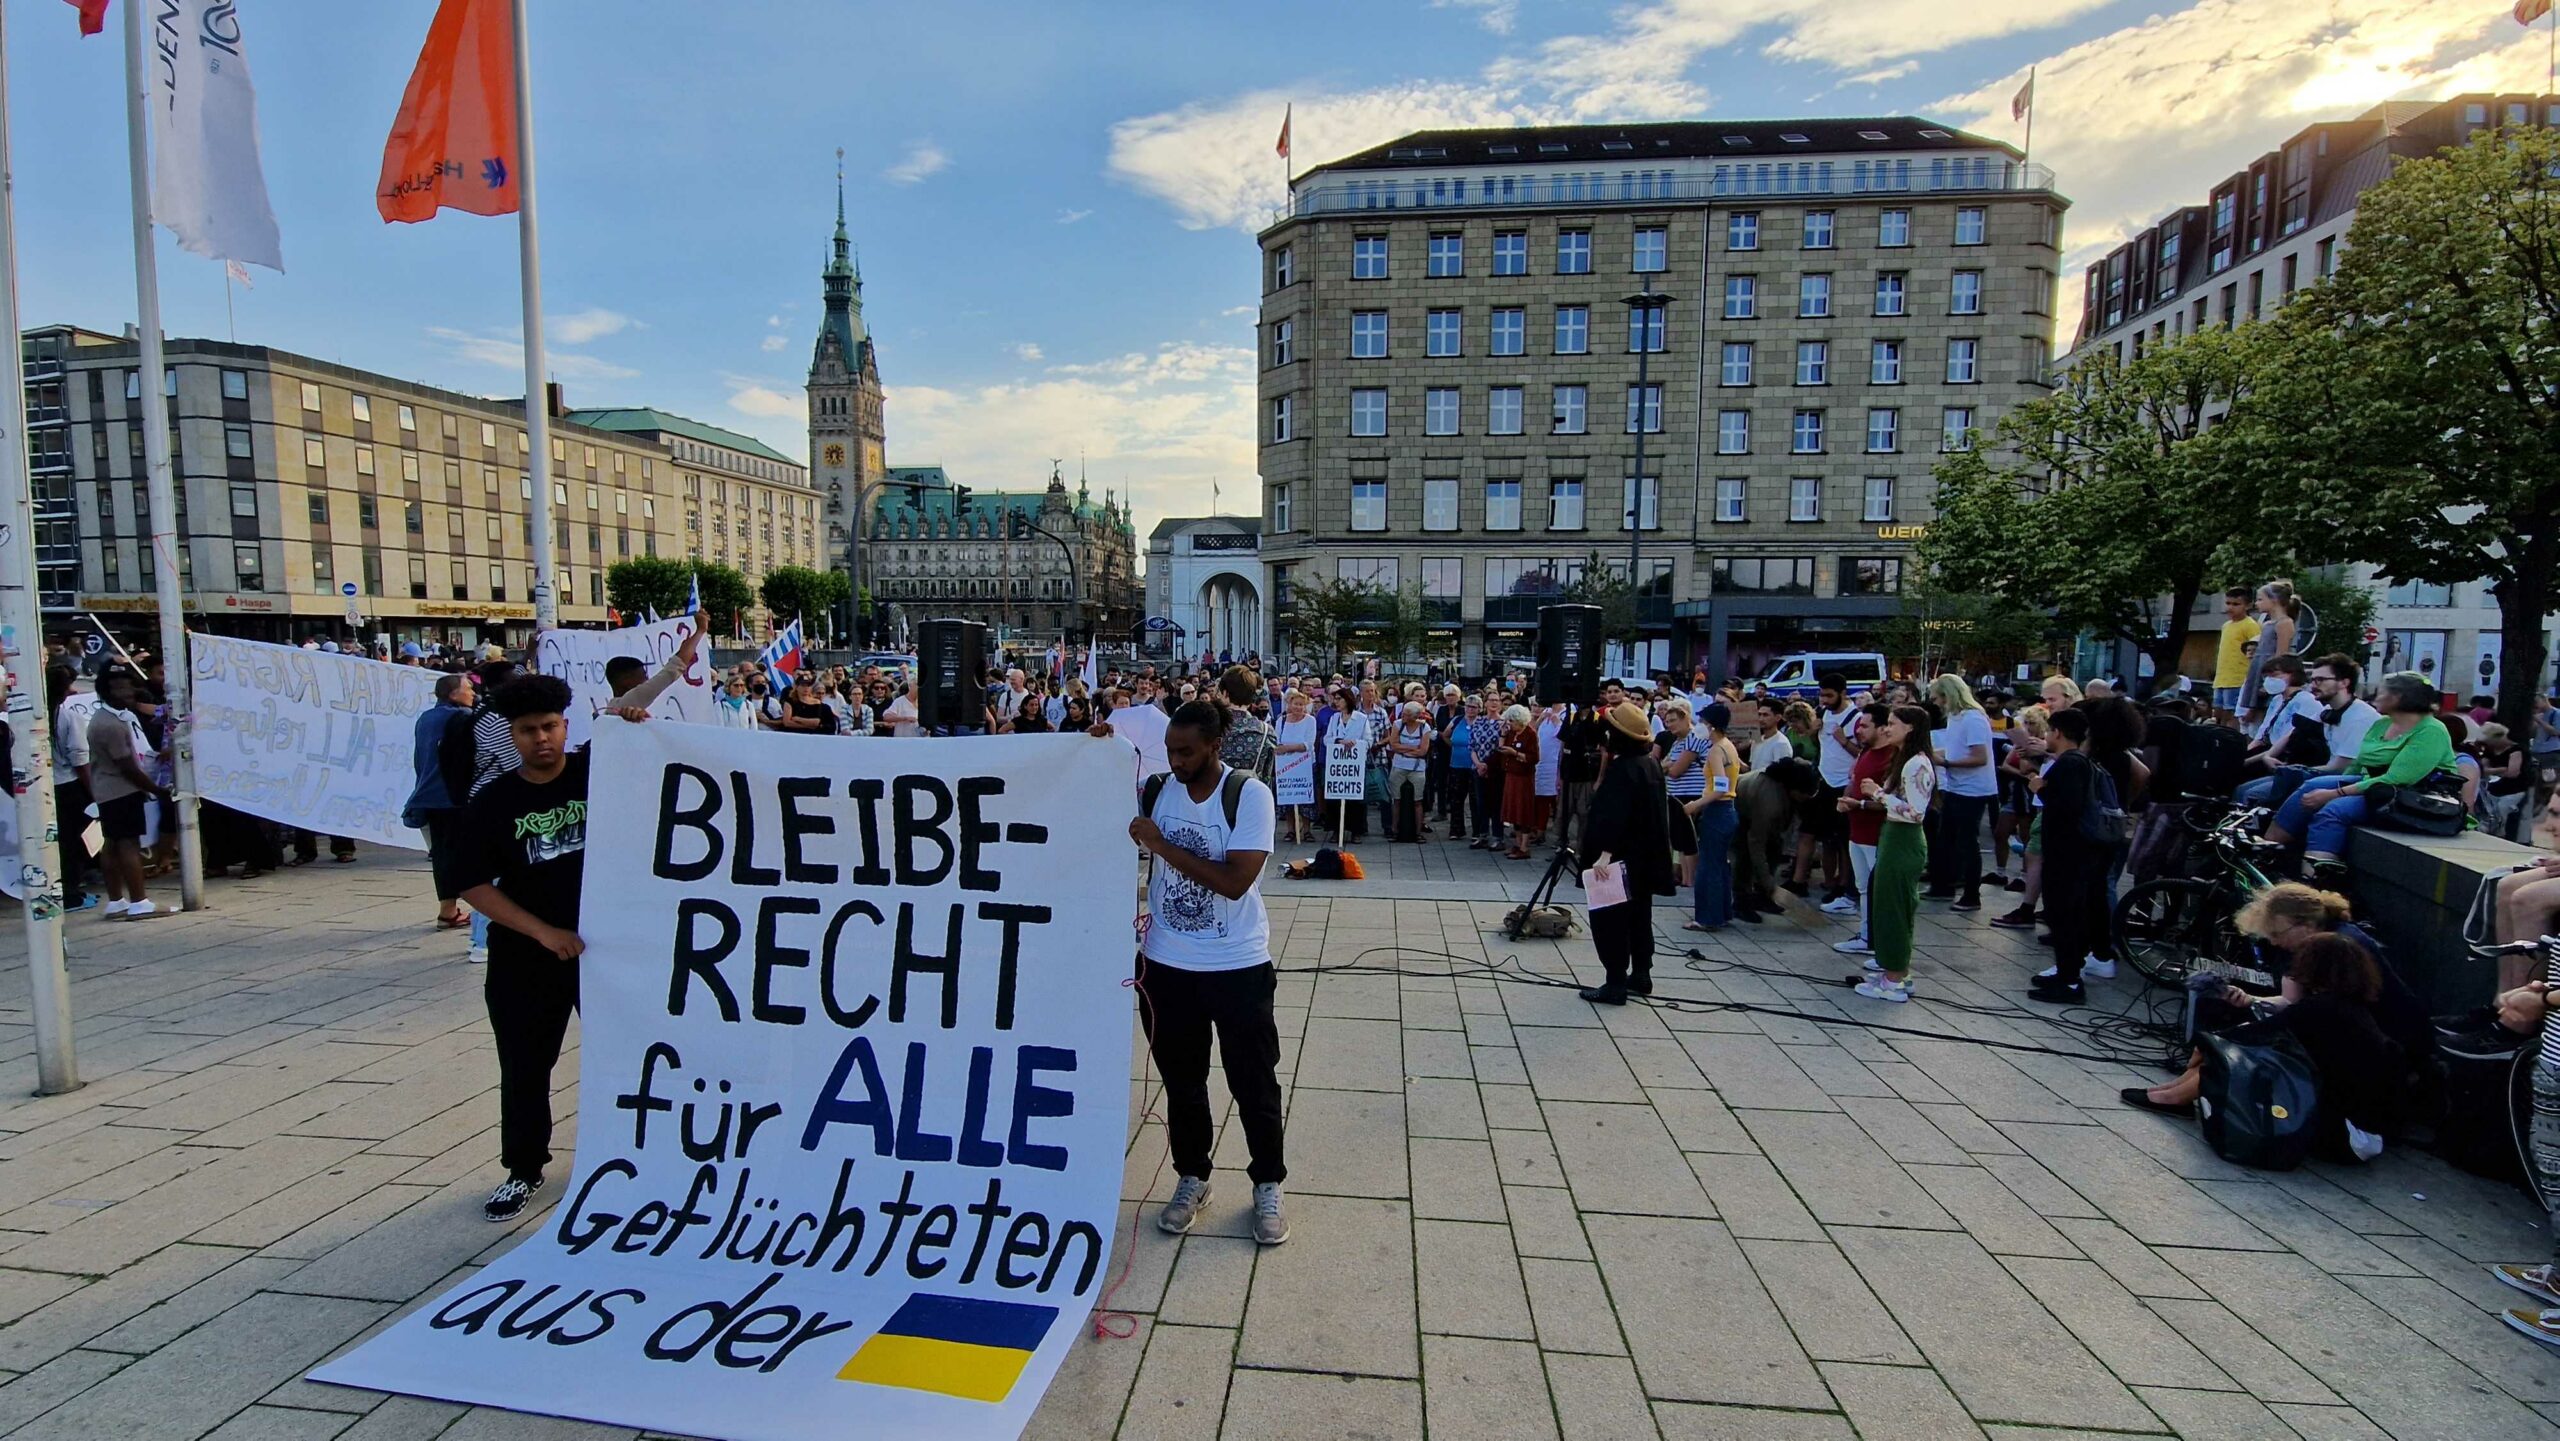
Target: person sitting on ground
{"type": "Point", "coordinates": [2281, 920]}
{"type": "Point", "coordinates": [2360, 1067]}
{"type": "Point", "coordinates": [2411, 747]}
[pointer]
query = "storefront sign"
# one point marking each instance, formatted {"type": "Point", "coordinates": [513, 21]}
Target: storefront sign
{"type": "Point", "coordinates": [855, 1069]}
{"type": "Point", "coordinates": [464, 610]}
{"type": "Point", "coordinates": [1902, 532]}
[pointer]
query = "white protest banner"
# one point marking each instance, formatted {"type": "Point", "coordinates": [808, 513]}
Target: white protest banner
{"type": "Point", "coordinates": [853, 1095]}
{"type": "Point", "coordinates": [579, 656]}
{"type": "Point", "coordinates": [308, 738]}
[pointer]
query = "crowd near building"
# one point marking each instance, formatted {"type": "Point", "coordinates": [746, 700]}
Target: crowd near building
{"type": "Point", "coordinates": [1466, 335]}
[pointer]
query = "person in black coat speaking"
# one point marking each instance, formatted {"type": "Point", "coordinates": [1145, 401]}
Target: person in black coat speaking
{"type": "Point", "coordinates": [1629, 823]}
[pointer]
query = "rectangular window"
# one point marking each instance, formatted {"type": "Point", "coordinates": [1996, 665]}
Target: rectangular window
{"type": "Point", "coordinates": [235, 442]}
{"type": "Point", "coordinates": [323, 571]}
{"type": "Point", "coordinates": [1642, 508]}
{"type": "Point", "coordinates": [1280, 509]}
{"type": "Point", "coordinates": [495, 531]}
{"type": "Point", "coordinates": [1741, 297]}
{"type": "Point", "coordinates": [364, 460]}
{"type": "Point", "coordinates": [1447, 256]}
{"type": "Point", "coordinates": [1440, 504]}
{"type": "Point", "coordinates": [1564, 503]}
{"type": "Point", "coordinates": [1510, 330]}
{"type": "Point", "coordinates": [317, 506]}
{"type": "Point", "coordinates": [1368, 505]}
{"type": "Point", "coordinates": [1283, 420]}
{"type": "Point", "coordinates": [1879, 499]}
{"type": "Point", "coordinates": [235, 385]}
{"type": "Point", "coordinates": [1369, 257]}
{"type": "Point", "coordinates": [314, 454]}
{"type": "Point", "coordinates": [1736, 369]}
{"type": "Point", "coordinates": [1644, 409]}
{"type": "Point", "coordinates": [1733, 432]}
{"type": "Point", "coordinates": [1284, 342]}
{"type": "Point", "coordinates": [2417, 593]}
{"type": "Point", "coordinates": [1511, 252]}
{"type": "Point", "coordinates": [1890, 289]}
{"type": "Point", "coordinates": [1443, 333]}
{"type": "Point", "coordinates": [1503, 410]}
{"type": "Point", "coordinates": [1870, 575]}
{"type": "Point", "coordinates": [367, 513]}
{"type": "Point", "coordinates": [360, 407]}
{"type": "Point", "coordinates": [1653, 249]}
{"type": "Point", "coordinates": [1969, 225]}
{"type": "Point", "coordinates": [310, 396]}
{"type": "Point", "coordinates": [1813, 297]}
{"type": "Point", "coordinates": [1807, 433]}
{"type": "Point", "coordinates": [1368, 334]}
{"type": "Point", "coordinates": [415, 518]}
{"type": "Point", "coordinates": [1804, 498]}
{"type": "Point", "coordinates": [1884, 431]}
{"type": "Point", "coordinates": [244, 502]}
{"type": "Point", "coordinates": [417, 577]}
{"type": "Point", "coordinates": [1368, 412]}
{"type": "Point", "coordinates": [1893, 229]}
{"type": "Point", "coordinates": [250, 565]}
{"type": "Point", "coordinates": [1965, 297]}
{"type": "Point", "coordinates": [1813, 362]}
{"type": "Point", "coordinates": [1817, 230]}
{"type": "Point", "coordinates": [488, 435]}
{"type": "Point", "coordinates": [1572, 415]}
{"type": "Point", "coordinates": [1440, 410]}
{"type": "Point", "coordinates": [1645, 327]}
{"type": "Point", "coordinates": [409, 468]}
{"type": "Point", "coordinates": [1502, 505]}
{"type": "Point", "coordinates": [453, 524]}
{"type": "Point", "coordinates": [1742, 230]}
{"type": "Point", "coordinates": [1955, 428]}
{"type": "Point", "coordinates": [1573, 252]}
{"type": "Point", "coordinates": [1962, 356]}
{"type": "Point", "coordinates": [461, 577]}
{"type": "Point", "coordinates": [1731, 502]}
{"type": "Point", "coordinates": [1573, 330]}
{"type": "Point", "coordinates": [2326, 254]}
{"type": "Point", "coordinates": [1884, 363]}
{"type": "Point", "coordinates": [1284, 268]}
{"type": "Point", "coordinates": [409, 419]}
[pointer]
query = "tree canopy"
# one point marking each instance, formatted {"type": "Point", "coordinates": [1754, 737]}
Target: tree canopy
{"type": "Point", "coordinates": [791, 590]}
{"type": "Point", "coordinates": [663, 584]}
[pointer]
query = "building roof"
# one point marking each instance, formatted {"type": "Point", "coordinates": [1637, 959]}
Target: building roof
{"type": "Point", "coordinates": [929, 508]}
{"type": "Point", "coordinates": [645, 420]}
{"type": "Point", "coordinates": [1670, 140]}
{"type": "Point", "coordinates": [1172, 526]}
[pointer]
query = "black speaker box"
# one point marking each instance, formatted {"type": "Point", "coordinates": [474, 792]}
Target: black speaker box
{"type": "Point", "coordinates": [951, 665]}
{"type": "Point", "coordinates": [1569, 644]}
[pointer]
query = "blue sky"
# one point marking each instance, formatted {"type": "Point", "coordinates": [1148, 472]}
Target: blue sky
{"type": "Point", "coordinates": [1055, 202]}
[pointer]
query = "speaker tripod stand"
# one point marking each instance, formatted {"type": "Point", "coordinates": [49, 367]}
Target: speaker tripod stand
{"type": "Point", "coordinates": [1525, 917]}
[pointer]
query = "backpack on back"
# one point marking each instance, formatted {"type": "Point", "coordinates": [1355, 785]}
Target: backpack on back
{"type": "Point", "coordinates": [1230, 795]}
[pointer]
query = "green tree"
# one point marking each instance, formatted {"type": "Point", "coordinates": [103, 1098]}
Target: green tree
{"type": "Point", "coordinates": [2344, 608]}
{"type": "Point", "coordinates": [1969, 633]}
{"type": "Point", "coordinates": [813, 595]}
{"type": "Point", "coordinates": [1321, 611]}
{"type": "Point", "coordinates": [2413, 419]}
{"type": "Point", "coordinates": [1604, 583]}
{"type": "Point", "coordinates": [2112, 492]}
{"type": "Point", "coordinates": [643, 583]}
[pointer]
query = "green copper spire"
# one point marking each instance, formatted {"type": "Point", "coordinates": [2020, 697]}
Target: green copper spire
{"type": "Point", "coordinates": [843, 280]}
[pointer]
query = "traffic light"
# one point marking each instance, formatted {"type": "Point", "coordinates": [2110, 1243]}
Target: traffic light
{"type": "Point", "coordinates": [960, 497]}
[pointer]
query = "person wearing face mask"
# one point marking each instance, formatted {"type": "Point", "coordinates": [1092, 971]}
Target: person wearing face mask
{"type": "Point", "coordinates": [2344, 720]}
{"type": "Point", "coordinates": [2288, 725]}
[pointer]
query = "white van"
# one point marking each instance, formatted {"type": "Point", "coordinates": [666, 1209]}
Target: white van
{"type": "Point", "coordinates": [1799, 676]}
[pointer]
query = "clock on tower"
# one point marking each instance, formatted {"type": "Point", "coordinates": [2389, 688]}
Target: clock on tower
{"type": "Point", "coordinates": [835, 453]}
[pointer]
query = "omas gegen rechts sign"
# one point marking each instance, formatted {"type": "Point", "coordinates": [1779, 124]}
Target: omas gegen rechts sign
{"type": "Point", "coordinates": [853, 1092]}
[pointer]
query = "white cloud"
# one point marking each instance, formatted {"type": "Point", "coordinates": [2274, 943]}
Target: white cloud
{"type": "Point", "coordinates": [1070, 217]}
{"type": "Point", "coordinates": [1024, 350]}
{"type": "Point", "coordinates": [924, 158]}
{"type": "Point", "coordinates": [1497, 16]}
{"type": "Point", "coordinates": [2147, 118]}
{"type": "Point", "coordinates": [752, 397]}
{"type": "Point", "coordinates": [1879, 77]}
{"type": "Point", "coordinates": [773, 343]}
{"type": "Point", "coordinates": [1235, 310]}
{"type": "Point", "coordinates": [506, 352]}
{"type": "Point", "coordinates": [580, 326]}
{"type": "Point", "coordinates": [1211, 160]}
{"type": "Point", "coordinates": [773, 320]}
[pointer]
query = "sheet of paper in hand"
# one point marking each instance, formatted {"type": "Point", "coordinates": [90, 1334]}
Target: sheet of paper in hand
{"type": "Point", "coordinates": [853, 1096]}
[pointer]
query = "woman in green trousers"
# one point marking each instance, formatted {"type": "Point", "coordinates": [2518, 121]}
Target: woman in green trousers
{"type": "Point", "coordinates": [1902, 852]}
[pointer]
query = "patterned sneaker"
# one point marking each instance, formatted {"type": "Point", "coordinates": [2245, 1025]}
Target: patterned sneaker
{"type": "Point", "coordinates": [1877, 987]}
{"type": "Point", "coordinates": [509, 1200]}
{"type": "Point", "coordinates": [2542, 1283]}
{"type": "Point", "coordinates": [2543, 1326]}
{"type": "Point", "coordinates": [1190, 1193]}
{"type": "Point", "coordinates": [1270, 1228]}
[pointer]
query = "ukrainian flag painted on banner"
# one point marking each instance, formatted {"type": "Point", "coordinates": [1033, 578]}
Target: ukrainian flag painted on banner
{"type": "Point", "coordinates": [956, 1345]}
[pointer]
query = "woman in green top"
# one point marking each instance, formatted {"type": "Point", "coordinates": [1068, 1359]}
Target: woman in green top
{"type": "Point", "coordinates": [2407, 747]}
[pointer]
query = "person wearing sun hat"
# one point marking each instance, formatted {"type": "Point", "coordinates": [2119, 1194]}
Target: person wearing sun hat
{"type": "Point", "coordinates": [1629, 823]}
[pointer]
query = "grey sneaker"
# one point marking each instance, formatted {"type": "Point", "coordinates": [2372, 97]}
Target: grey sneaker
{"type": "Point", "coordinates": [1189, 1194]}
{"type": "Point", "coordinates": [1270, 1227]}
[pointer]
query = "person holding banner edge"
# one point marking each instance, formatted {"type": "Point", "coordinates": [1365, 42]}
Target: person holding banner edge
{"type": "Point", "coordinates": [1205, 964]}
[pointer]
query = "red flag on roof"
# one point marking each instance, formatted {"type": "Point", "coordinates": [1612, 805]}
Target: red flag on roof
{"type": "Point", "coordinates": [454, 140]}
{"type": "Point", "coordinates": [93, 15]}
{"type": "Point", "coordinates": [1283, 146]}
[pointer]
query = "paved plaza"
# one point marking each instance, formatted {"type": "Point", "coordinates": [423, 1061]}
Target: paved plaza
{"type": "Point", "coordinates": [1515, 1215]}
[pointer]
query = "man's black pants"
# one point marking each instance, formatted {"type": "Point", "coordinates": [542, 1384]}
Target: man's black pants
{"type": "Point", "coordinates": [1180, 1008]}
{"type": "Point", "coordinates": [71, 822]}
{"type": "Point", "coordinates": [1623, 935]}
{"type": "Point", "coordinates": [530, 998]}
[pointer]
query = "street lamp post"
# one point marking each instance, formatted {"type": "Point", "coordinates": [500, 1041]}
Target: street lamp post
{"type": "Point", "coordinates": [1648, 313]}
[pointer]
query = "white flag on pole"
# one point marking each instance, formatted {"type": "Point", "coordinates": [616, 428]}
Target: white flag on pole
{"type": "Point", "coordinates": [206, 183]}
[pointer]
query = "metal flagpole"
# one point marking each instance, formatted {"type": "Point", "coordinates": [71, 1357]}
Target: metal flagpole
{"type": "Point", "coordinates": [30, 718]}
{"type": "Point", "coordinates": [165, 540]}
{"type": "Point", "coordinates": [537, 397]}
{"type": "Point", "coordinates": [2027, 154]}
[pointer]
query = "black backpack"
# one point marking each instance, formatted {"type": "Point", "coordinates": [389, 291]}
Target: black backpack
{"type": "Point", "coordinates": [1230, 794]}
{"type": "Point", "coordinates": [2259, 1102]}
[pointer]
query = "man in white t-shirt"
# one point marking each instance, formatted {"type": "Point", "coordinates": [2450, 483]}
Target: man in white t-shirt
{"type": "Point", "coordinates": [1206, 964]}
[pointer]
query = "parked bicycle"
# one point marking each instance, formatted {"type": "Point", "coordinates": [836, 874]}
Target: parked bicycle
{"type": "Point", "coordinates": [2175, 926]}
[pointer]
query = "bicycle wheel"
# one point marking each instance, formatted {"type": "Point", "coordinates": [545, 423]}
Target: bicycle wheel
{"type": "Point", "coordinates": [2165, 928]}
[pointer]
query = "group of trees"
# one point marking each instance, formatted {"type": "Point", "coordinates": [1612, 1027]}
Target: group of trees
{"type": "Point", "coordinates": [646, 583]}
{"type": "Point", "coordinates": [2402, 413]}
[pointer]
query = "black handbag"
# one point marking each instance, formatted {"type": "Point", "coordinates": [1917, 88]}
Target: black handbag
{"type": "Point", "coordinates": [2432, 807]}
{"type": "Point", "coordinates": [2258, 1102]}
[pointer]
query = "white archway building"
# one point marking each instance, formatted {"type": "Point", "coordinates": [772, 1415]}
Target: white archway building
{"type": "Point", "coordinates": [1204, 573]}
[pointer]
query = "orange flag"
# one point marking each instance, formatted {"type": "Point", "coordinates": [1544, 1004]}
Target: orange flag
{"type": "Point", "coordinates": [454, 140]}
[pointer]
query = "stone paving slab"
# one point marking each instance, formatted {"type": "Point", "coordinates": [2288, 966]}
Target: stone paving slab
{"type": "Point", "coordinates": [1515, 1215]}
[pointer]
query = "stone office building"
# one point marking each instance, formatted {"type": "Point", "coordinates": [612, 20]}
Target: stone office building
{"type": "Point", "coordinates": [1455, 326]}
